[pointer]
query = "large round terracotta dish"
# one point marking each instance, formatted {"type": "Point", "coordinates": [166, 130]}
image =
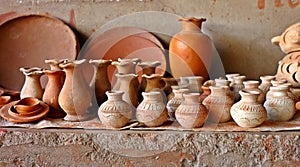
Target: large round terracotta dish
{"type": "Point", "coordinates": [124, 42]}
{"type": "Point", "coordinates": [27, 40]}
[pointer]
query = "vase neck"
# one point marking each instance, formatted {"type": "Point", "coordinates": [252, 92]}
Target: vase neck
{"type": "Point", "coordinates": [192, 24]}
{"type": "Point", "coordinates": [115, 96]}
{"type": "Point", "coordinates": [249, 96]}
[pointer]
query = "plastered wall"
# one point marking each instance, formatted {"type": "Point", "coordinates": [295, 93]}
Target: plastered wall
{"type": "Point", "coordinates": [241, 29]}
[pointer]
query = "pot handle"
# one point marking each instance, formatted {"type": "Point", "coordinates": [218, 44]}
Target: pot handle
{"type": "Point", "coordinates": [276, 40]}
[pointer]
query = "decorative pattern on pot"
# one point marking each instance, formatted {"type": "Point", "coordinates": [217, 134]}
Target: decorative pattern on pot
{"type": "Point", "coordinates": [248, 112]}
{"type": "Point", "coordinates": [115, 112]}
{"type": "Point", "coordinates": [152, 111]}
{"type": "Point", "coordinates": [190, 50]}
{"type": "Point", "coordinates": [191, 113]}
{"type": "Point", "coordinates": [218, 104]}
{"type": "Point", "coordinates": [279, 105]}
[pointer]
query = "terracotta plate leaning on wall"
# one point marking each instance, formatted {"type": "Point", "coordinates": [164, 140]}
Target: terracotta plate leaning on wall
{"type": "Point", "coordinates": [27, 40]}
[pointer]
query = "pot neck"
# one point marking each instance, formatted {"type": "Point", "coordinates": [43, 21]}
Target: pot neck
{"type": "Point", "coordinates": [192, 24]}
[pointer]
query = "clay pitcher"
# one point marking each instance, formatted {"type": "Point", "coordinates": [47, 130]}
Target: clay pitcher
{"type": "Point", "coordinates": [75, 96]}
{"type": "Point", "coordinates": [52, 91]}
{"type": "Point", "coordinates": [129, 87]}
{"type": "Point", "coordinates": [32, 86]}
{"type": "Point", "coordinates": [148, 68]}
{"type": "Point", "coordinates": [154, 82]}
{"type": "Point", "coordinates": [190, 50]}
{"type": "Point", "coordinates": [100, 82]}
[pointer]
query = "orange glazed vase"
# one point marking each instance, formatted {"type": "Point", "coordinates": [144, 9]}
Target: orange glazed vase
{"type": "Point", "coordinates": [190, 50]}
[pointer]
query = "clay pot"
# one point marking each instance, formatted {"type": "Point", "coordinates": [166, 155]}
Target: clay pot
{"type": "Point", "coordinates": [154, 82]}
{"type": "Point", "coordinates": [218, 104]}
{"type": "Point", "coordinates": [100, 82]}
{"type": "Point", "coordinates": [52, 92]}
{"type": "Point", "coordinates": [174, 102]}
{"type": "Point", "coordinates": [221, 82]}
{"type": "Point", "coordinates": [230, 77]}
{"type": "Point", "coordinates": [248, 112]}
{"type": "Point", "coordinates": [279, 106]}
{"type": "Point", "coordinates": [252, 85]}
{"type": "Point", "coordinates": [75, 95]}
{"type": "Point", "coordinates": [266, 83]}
{"type": "Point", "coordinates": [206, 92]}
{"type": "Point", "coordinates": [195, 84]}
{"type": "Point", "coordinates": [191, 113]}
{"type": "Point", "coordinates": [237, 86]}
{"type": "Point", "coordinates": [190, 50]}
{"type": "Point", "coordinates": [32, 86]}
{"type": "Point", "coordinates": [115, 112]}
{"type": "Point", "coordinates": [152, 111]}
{"type": "Point", "coordinates": [168, 83]}
{"type": "Point", "coordinates": [129, 86]}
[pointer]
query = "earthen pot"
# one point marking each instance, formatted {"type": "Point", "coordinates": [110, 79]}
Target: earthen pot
{"type": "Point", "coordinates": [52, 91]}
{"type": "Point", "coordinates": [174, 102]}
{"type": "Point", "coordinates": [32, 86]}
{"type": "Point", "coordinates": [253, 85]}
{"type": "Point", "coordinates": [191, 113]}
{"type": "Point", "coordinates": [190, 51]}
{"type": "Point", "coordinates": [266, 83]}
{"type": "Point", "coordinates": [195, 84]}
{"type": "Point", "coordinates": [230, 77]}
{"type": "Point", "coordinates": [248, 112]}
{"type": "Point", "coordinates": [75, 95]}
{"type": "Point", "coordinates": [115, 112]}
{"type": "Point", "coordinates": [152, 111]}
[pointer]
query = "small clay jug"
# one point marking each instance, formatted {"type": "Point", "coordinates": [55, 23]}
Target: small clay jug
{"type": "Point", "coordinates": [237, 86]}
{"type": "Point", "coordinates": [275, 83]}
{"type": "Point", "coordinates": [75, 96]}
{"type": "Point", "coordinates": [129, 86]}
{"type": "Point", "coordinates": [279, 106]}
{"type": "Point", "coordinates": [190, 50]}
{"type": "Point", "coordinates": [32, 86]}
{"type": "Point", "coordinates": [218, 104]}
{"type": "Point", "coordinates": [173, 103]}
{"type": "Point", "coordinates": [148, 68]}
{"type": "Point", "coordinates": [195, 84]}
{"type": "Point", "coordinates": [154, 82]}
{"type": "Point", "coordinates": [152, 111]}
{"type": "Point", "coordinates": [248, 112]}
{"type": "Point", "coordinates": [253, 85]}
{"type": "Point", "coordinates": [266, 83]}
{"type": "Point", "coordinates": [230, 77]}
{"type": "Point", "coordinates": [100, 82]}
{"type": "Point", "coordinates": [115, 112]}
{"type": "Point", "coordinates": [52, 92]}
{"type": "Point", "coordinates": [191, 113]}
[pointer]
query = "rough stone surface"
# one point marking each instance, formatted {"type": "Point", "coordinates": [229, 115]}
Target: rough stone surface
{"type": "Point", "coordinates": [24, 147]}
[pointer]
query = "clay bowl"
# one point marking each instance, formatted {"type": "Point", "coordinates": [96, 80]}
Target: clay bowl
{"type": "Point", "coordinates": [12, 111]}
{"type": "Point", "coordinates": [27, 105]}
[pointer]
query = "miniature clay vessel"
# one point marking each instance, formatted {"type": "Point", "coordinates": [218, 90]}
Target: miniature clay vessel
{"type": "Point", "coordinates": [152, 111]}
{"type": "Point", "coordinates": [237, 86]}
{"type": "Point", "coordinates": [230, 77]}
{"type": "Point", "coordinates": [75, 95]}
{"type": "Point", "coordinates": [218, 104]}
{"type": "Point", "coordinates": [129, 86]}
{"type": "Point", "coordinates": [168, 83]}
{"type": "Point", "coordinates": [32, 86]}
{"type": "Point", "coordinates": [174, 102]}
{"type": "Point", "coordinates": [248, 112]}
{"type": "Point", "coordinates": [191, 113]}
{"type": "Point", "coordinates": [279, 106]}
{"type": "Point", "coordinates": [266, 83]}
{"type": "Point", "coordinates": [100, 82]}
{"type": "Point", "coordinates": [275, 83]}
{"type": "Point", "coordinates": [195, 84]}
{"type": "Point", "coordinates": [253, 85]}
{"type": "Point", "coordinates": [115, 112]}
{"type": "Point", "coordinates": [154, 82]}
{"type": "Point", "coordinates": [52, 92]}
{"type": "Point", "coordinates": [190, 50]}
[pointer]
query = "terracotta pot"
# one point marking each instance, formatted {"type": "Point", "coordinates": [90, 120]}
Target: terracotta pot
{"type": "Point", "coordinates": [237, 86]}
{"type": "Point", "coordinates": [221, 82]}
{"type": "Point", "coordinates": [115, 112]}
{"type": "Point", "coordinates": [230, 77]}
{"type": "Point", "coordinates": [129, 86]}
{"type": "Point", "coordinates": [252, 85]}
{"type": "Point", "coordinates": [52, 92]}
{"type": "Point", "coordinates": [248, 112]}
{"type": "Point", "coordinates": [168, 83]}
{"type": "Point", "coordinates": [206, 92]}
{"type": "Point", "coordinates": [100, 82]}
{"type": "Point", "coordinates": [173, 103]}
{"type": "Point", "coordinates": [218, 104]}
{"type": "Point", "coordinates": [190, 50]}
{"type": "Point", "coordinates": [152, 111]}
{"type": "Point", "coordinates": [75, 95]}
{"type": "Point", "coordinates": [154, 82]}
{"type": "Point", "coordinates": [279, 106]}
{"type": "Point", "coordinates": [191, 113]}
{"type": "Point", "coordinates": [266, 83]}
{"type": "Point", "coordinates": [195, 84]}
{"type": "Point", "coordinates": [32, 86]}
